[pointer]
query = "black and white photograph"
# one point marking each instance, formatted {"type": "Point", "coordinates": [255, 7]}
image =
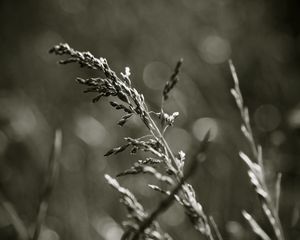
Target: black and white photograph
{"type": "Point", "coordinates": [149, 120]}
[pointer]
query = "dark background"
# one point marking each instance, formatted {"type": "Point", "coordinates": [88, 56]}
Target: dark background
{"type": "Point", "coordinates": [37, 96]}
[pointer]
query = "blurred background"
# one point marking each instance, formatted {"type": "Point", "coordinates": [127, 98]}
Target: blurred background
{"type": "Point", "coordinates": [37, 96]}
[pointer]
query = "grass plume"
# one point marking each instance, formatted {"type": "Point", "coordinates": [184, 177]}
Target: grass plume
{"type": "Point", "coordinates": [133, 103]}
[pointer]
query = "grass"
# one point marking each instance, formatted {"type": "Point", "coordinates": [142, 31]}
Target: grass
{"type": "Point", "coordinates": [256, 172]}
{"type": "Point", "coordinates": [167, 167]}
{"type": "Point", "coordinates": [173, 178]}
{"type": "Point", "coordinates": [140, 223]}
{"type": "Point", "coordinates": [22, 231]}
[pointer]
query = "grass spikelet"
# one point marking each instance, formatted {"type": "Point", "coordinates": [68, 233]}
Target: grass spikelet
{"type": "Point", "coordinates": [255, 226]}
{"type": "Point", "coordinates": [136, 215]}
{"type": "Point", "coordinates": [256, 169]}
{"type": "Point", "coordinates": [172, 81]}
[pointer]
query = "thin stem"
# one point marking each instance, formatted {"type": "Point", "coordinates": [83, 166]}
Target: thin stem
{"type": "Point", "coordinates": [53, 168]}
{"type": "Point", "coordinates": [215, 227]}
{"type": "Point", "coordinates": [169, 151]}
{"type": "Point", "coordinates": [15, 218]}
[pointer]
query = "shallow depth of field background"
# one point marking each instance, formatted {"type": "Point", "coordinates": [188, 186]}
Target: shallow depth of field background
{"type": "Point", "coordinates": [37, 95]}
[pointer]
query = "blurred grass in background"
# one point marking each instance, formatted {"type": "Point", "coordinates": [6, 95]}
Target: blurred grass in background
{"type": "Point", "coordinates": [37, 96]}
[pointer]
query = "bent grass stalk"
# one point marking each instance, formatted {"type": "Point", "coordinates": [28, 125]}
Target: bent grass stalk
{"type": "Point", "coordinates": [140, 224]}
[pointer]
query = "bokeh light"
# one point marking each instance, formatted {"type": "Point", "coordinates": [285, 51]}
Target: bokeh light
{"type": "Point", "coordinates": [90, 130]}
{"type": "Point", "coordinates": [106, 227]}
{"type": "Point", "coordinates": [179, 139]}
{"type": "Point", "coordinates": [267, 117]}
{"type": "Point", "coordinates": [214, 49]}
{"type": "Point", "coordinates": [155, 75]}
{"type": "Point", "coordinates": [204, 125]}
{"type": "Point", "coordinates": [48, 234]}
